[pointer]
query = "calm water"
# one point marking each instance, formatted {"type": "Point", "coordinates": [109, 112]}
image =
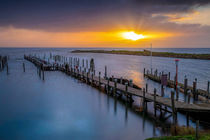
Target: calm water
{"type": "Point", "coordinates": [63, 108]}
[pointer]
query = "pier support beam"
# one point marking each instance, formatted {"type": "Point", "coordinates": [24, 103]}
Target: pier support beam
{"type": "Point", "coordinates": [155, 101]}
{"type": "Point", "coordinates": [24, 67]}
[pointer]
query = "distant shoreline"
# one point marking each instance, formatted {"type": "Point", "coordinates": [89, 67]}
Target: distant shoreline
{"type": "Point", "coordinates": [148, 53]}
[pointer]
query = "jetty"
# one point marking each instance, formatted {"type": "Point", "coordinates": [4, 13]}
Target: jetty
{"type": "Point", "coordinates": [183, 87]}
{"type": "Point", "coordinates": [112, 87]}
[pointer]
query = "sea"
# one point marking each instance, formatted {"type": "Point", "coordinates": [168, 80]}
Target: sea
{"type": "Point", "coordinates": [61, 107]}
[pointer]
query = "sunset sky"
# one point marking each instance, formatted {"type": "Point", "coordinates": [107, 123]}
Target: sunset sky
{"type": "Point", "coordinates": [105, 23]}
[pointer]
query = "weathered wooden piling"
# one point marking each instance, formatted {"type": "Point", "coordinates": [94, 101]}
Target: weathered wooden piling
{"type": "Point", "coordinates": [162, 90]}
{"type": "Point", "coordinates": [105, 73]}
{"type": "Point", "coordinates": [188, 99]}
{"type": "Point", "coordinates": [43, 75]}
{"type": "Point", "coordinates": [169, 75]}
{"type": "Point", "coordinates": [155, 101]}
{"type": "Point", "coordinates": [24, 67]}
{"type": "Point", "coordinates": [99, 79]}
{"type": "Point", "coordinates": [173, 108]}
{"type": "Point", "coordinates": [87, 78]}
{"type": "Point", "coordinates": [195, 90]}
{"type": "Point", "coordinates": [115, 87]}
{"type": "Point", "coordinates": [126, 90]}
{"type": "Point", "coordinates": [208, 85]}
{"type": "Point", "coordinates": [144, 101]}
{"type": "Point", "coordinates": [108, 86]}
{"type": "Point", "coordinates": [7, 69]}
{"type": "Point", "coordinates": [197, 130]}
{"type": "Point", "coordinates": [92, 78]}
{"type": "Point", "coordinates": [177, 93]}
{"type": "Point", "coordinates": [86, 63]}
{"type": "Point", "coordinates": [146, 87]}
{"type": "Point", "coordinates": [185, 85]}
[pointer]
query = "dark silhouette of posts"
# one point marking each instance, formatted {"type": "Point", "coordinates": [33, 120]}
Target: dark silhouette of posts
{"type": "Point", "coordinates": [126, 90]}
{"type": "Point", "coordinates": [169, 75]}
{"type": "Point", "coordinates": [196, 130]}
{"type": "Point", "coordinates": [208, 86]}
{"type": "Point", "coordinates": [177, 93]}
{"type": "Point", "coordinates": [99, 79]}
{"type": "Point", "coordinates": [173, 108]}
{"type": "Point", "coordinates": [7, 69]}
{"type": "Point", "coordinates": [108, 86]}
{"type": "Point", "coordinates": [115, 87]}
{"type": "Point", "coordinates": [195, 90]}
{"type": "Point", "coordinates": [24, 67]}
{"type": "Point", "coordinates": [185, 85]}
{"type": "Point", "coordinates": [144, 99]}
{"type": "Point", "coordinates": [105, 73]}
{"type": "Point", "coordinates": [155, 101]}
{"type": "Point", "coordinates": [43, 75]}
{"type": "Point", "coordinates": [146, 87]}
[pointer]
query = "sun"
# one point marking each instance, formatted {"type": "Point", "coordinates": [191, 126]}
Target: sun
{"type": "Point", "coordinates": [132, 36]}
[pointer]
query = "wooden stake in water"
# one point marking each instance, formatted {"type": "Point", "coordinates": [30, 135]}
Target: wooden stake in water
{"type": "Point", "coordinates": [155, 101]}
{"type": "Point", "coordinates": [185, 85]}
{"type": "Point", "coordinates": [173, 108]}
{"type": "Point", "coordinates": [7, 69]}
{"type": "Point", "coordinates": [208, 92]}
{"type": "Point", "coordinates": [43, 75]}
{"type": "Point", "coordinates": [24, 67]}
{"type": "Point", "coordinates": [105, 74]}
{"type": "Point", "coordinates": [146, 87]}
{"type": "Point", "coordinates": [196, 130]}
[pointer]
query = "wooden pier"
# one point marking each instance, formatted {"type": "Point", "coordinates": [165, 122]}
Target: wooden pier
{"type": "Point", "coordinates": [116, 89]}
{"type": "Point", "coordinates": [184, 87]}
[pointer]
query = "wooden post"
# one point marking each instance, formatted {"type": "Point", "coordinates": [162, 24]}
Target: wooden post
{"type": "Point", "coordinates": [185, 85]}
{"type": "Point", "coordinates": [196, 130]}
{"type": "Point", "coordinates": [143, 98]}
{"type": "Point", "coordinates": [155, 101]}
{"type": "Point", "coordinates": [40, 72]}
{"type": "Point", "coordinates": [195, 90]}
{"type": "Point", "coordinates": [99, 79]}
{"type": "Point", "coordinates": [144, 71]}
{"type": "Point", "coordinates": [177, 93]}
{"type": "Point", "coordinates": [108, 86]}
{"type": "Point", "coordinates": [188, 100]}
{"type": "Point", "coordinates": [115, 87]}
{"type": "Point", "coordinates": [156, 71]}
{"type": "Point", "coordinates": [83, 63]}
{"type": "Point", "coordinates": [126, 90]}
{"type": "Point", "coordinates": [162, 90]}
{"type": "Point", "coordinates": [173, 107]}
{"type": "Point", "coordinates": [105, 74]}
{"type": "Point", "coordinates": [86, 63]}
{"type": "Point", "coordinates": [208, 92]}
{"type": "Point", "coordinates": [7, 69]}
{"type": "Point", "coordinates": [175, 82]}
{"type": "Point", "coordinates": [92, 78]}
{"type": "Point", "coordinates": [43, 75]}
{"type": "Point", "coordinates": [87, 78]}
{"type": "Point", "coordinates": [146, 87]}
{"type": "Point", "coordinates": [24, 67]}
{"type": "Point", "coordinates": [169, 75]}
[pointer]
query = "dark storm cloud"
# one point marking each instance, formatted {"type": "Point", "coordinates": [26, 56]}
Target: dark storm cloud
{"type": "Point", "coordinates": [85, 14]}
